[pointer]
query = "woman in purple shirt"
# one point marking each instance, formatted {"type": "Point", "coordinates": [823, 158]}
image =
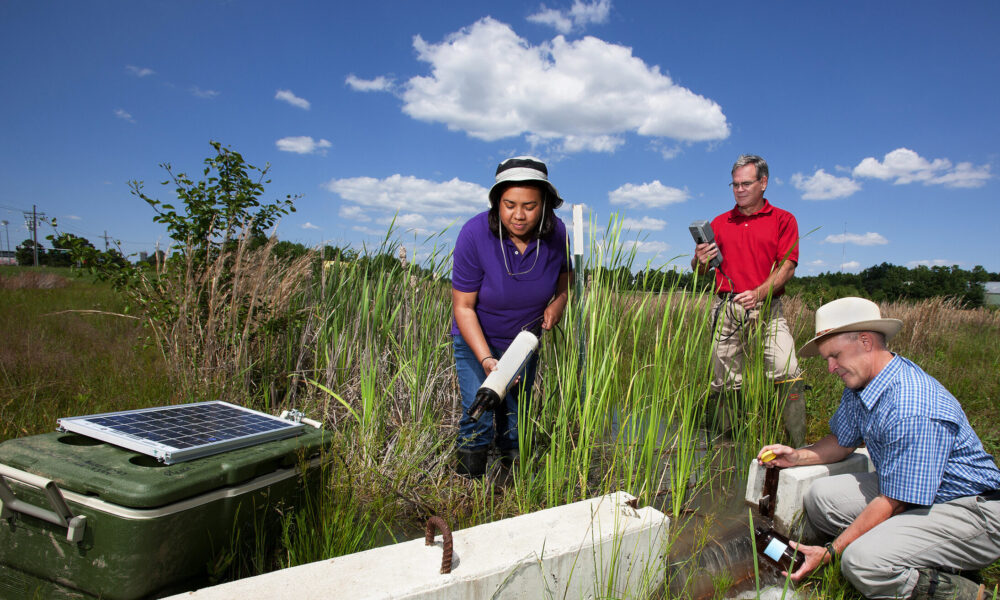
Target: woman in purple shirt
{"type": "Point", "coordinates": [510, 274]}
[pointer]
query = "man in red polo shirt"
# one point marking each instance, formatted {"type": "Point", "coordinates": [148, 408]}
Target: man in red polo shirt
{"type": "Point", "coordinates": [759, 247]}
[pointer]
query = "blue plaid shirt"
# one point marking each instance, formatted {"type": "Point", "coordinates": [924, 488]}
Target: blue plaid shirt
{"type": "Point", "coordinates": [919, 439]}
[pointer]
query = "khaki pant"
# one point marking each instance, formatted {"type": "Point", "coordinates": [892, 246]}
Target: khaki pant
{"type": "Point", "coordinates": [736, 336]}
{"type": "Point", "coordinates": [961, 534]}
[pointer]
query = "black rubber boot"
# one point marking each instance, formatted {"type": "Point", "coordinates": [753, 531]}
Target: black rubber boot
{"type": "Point", "coordinates": [507, 466]}
{"type": "Point", "coordinates": [471, 462]}
{"type": "Point", "coordinates": [939, 585]}
{"type": "Point", "coordinates": [509, 458]}
{"type": "Point", "coordinates": [719, 411]}
{"type": "Point", "coordinates": [792, 395]}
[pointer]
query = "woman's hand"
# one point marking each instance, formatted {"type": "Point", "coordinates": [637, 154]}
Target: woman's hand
{"type": "Point", "coordinates": [552, 315]}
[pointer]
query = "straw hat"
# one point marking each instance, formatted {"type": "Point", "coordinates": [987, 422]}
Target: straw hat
{"type": "Point", "coordinates": [522, 168]}
{"type": "Point", "coordinates": [849, 314]}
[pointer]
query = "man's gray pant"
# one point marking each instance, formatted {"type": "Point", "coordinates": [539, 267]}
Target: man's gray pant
{"type": "Point", "coordinates": [961, 534]}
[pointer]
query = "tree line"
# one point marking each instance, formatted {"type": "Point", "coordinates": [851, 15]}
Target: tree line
{"type": "Point", "coordinates": [893, 282]}
{"type": "Point", "coordinates": [884, 282]}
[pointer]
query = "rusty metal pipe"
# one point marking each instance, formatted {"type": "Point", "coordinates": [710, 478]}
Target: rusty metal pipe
{"type": "Point", "coordinates": [438, 522]}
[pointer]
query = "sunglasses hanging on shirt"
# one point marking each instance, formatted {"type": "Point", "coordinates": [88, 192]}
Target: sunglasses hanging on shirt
{"type": "Point", "coordinates": [538, 244]}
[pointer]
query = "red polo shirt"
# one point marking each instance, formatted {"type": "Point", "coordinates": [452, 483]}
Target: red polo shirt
{"type": "Point", "coordinates": [753, 245]}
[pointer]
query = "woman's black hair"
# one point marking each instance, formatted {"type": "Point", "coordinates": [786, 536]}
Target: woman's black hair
{"type": "Point", "coordinates": [547, 224]}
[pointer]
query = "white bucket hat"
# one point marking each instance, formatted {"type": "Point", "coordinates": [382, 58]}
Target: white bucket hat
{"type": "Point", "coordinates": [522, 168]}
{"type": "Point", "coordinates": [849, 314]}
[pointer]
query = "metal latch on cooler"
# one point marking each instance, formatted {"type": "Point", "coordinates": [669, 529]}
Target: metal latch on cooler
{"type": "Point", "coordinates": [60, 514]}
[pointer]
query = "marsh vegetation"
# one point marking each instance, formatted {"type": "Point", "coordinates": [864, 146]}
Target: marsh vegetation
{"type": "Point", "coordinates": [363, 346]}
{"type": "Point", "coordinates": [360, 341]}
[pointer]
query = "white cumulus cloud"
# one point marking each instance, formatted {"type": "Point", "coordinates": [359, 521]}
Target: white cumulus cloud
{"type": "Point", "coordinates": [644, 224]}
{"type": "Point", "coordinates": [646, 247]}
{"type": "Point", "coordinates": [965, 175]}
{"type": "Point", "coordinates": [903, 166]}
{"type": "Point", "coordinates": [577, 17]}
{"type": "Point", "coordinates": [200, 93]}
{"type": "Point", "coordinates": [576, 143]}
{"type": "Point", "coordinates": [353, 212]}
{"type": "Point", "coordinates": [415, 222]}
{"type": "Point", "coordinates": [302, 144]}
{"type": "Point", "coordinates": [579, 95]}
{"type": "Point", "coordinates": [308, 225]}
{"type": "Point", "coordinates": [379, 233]}
{"type": "Point", "coordinates": [289, 97]}
{"type": "Point", "coordinates": [824, 186]}
{"type": "Point", "coordinates": [409, 199]}
{"type": "Point", "coordinates": [139, 71]}
{"type": "Point", "coordinates": [866, 239]}
{"type": "Point", "coordinates": [124, 115]}
{"type": "Point", "coordinates": [850, 265]}
{"type": "Point", "coordinates": [379, 84]}
{"type": "Point", "coordinates": [647, 195]}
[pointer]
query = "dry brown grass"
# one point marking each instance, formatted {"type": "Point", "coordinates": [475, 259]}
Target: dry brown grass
{"type": "Point", "coordinates": [222, 324]}
{"type": "Point", "coordinates": [926, 324]}
{"type": "Point", "coordinates": [33, 280]}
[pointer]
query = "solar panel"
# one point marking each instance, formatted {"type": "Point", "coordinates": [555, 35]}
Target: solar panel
{"type": "Point", "coordinates": [175, 434]}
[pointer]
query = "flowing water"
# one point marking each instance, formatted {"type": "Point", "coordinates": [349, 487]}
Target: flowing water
{"type": "Point", "coordinates": [712, 553]}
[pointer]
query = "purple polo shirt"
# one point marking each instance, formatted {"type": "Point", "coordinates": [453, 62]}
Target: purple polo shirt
{"type": "Point", "coordinates": [506, 304]}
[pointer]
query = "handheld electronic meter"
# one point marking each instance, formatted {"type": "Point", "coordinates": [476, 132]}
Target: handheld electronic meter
{"type": "Point", "coordinates": [702, 233]}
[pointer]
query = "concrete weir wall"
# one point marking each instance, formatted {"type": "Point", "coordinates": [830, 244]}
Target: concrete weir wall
{"type": "Point", "coordinates": [600, 547]}
{"type": "Point", "coordinates": [793, 483]}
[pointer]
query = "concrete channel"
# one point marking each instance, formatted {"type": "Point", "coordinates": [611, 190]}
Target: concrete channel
{"type": "Point", "coordinates": [595, 548]}
{"type": "Point", "coordinates": [601, 547]}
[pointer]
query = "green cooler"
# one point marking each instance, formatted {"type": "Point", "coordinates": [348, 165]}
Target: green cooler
{"type": "Point", "coordinates": [86, 519]}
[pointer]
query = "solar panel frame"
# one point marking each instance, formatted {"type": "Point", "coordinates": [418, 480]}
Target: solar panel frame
{"type": "Point", "coordinates": [183, 432]}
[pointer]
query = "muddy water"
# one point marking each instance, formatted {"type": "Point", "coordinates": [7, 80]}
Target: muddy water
{"type": "Point", "coordinates": [712, 553]}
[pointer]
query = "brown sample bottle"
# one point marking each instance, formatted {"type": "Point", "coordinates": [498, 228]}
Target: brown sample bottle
{"type": "Point", "coordinates": [775, 549]}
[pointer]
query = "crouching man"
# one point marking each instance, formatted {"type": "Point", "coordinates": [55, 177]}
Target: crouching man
{"type": "Point", "coordinates": [931, 509]}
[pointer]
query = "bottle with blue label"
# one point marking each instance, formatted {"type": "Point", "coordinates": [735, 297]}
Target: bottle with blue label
{"type": "Point", "coordinates": [775, 549]}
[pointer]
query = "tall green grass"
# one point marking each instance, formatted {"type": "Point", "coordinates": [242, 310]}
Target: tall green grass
{"type": "Point", "coordinates": [626, 417]}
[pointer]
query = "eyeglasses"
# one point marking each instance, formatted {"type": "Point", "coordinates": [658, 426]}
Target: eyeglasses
{"type": "Point", "coordinates": [738, 185]}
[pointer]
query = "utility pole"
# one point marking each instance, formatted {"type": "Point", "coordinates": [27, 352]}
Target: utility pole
{"type": "Point", "coordinates": [105, 240]}
{"type": "Point", "coordinates": [34, 232]}
{"type": "Point", "coordinates": [31, 222]}
{"type": "Point", "coordinates": [5, 223]}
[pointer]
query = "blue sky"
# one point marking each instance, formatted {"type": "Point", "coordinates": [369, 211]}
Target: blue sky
{"type": "Point", "coordinates": [879, 119]}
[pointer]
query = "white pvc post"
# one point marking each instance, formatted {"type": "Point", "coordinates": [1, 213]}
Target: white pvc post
{"type": "Point", "coordinates": [580, 275]}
